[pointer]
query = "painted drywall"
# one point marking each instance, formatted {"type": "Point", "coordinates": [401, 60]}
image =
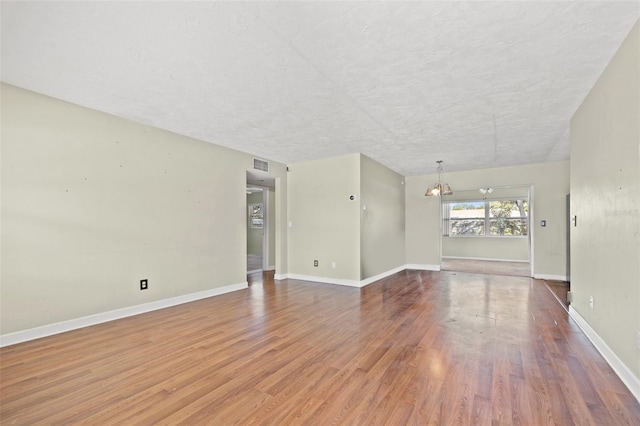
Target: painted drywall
{"type": "Point", "coordinates": [382, 217]}
{"type": "Point", "coordinates": [92, 203]}
{"type": "Point", "coordinates": [254, 235]}
{"type": "Point", "coordinates": [550, 183]}
{"type": "Point", "coordinates": [325, 223]}
{"type": "Point", "coordinates": [422, 222]}
{"type": "Point", "coordinates": [507, 248]}
{"type": "Point", "coordinates": [271, 229]}
{"type": "Point", "coordinates": [605, 197]}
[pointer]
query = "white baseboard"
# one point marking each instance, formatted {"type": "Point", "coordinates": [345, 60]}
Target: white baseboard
{"type": "Point", "coordinates": [325, 280]}
{"type": "Point", "coordinates": [422, 267]}
{"type": "Point", "coordinates": [626, 375]}
{"type": "Point", "coordinates": [74, 324]}
{"type": "Point", "coordinates": [356, 283]}
{"type": "Point", "coordinates": [254, 271]}
{"type": "Point", "coordinates": [271, 268]}
{"type": "Point", "coordinates": [341, 281]}
{"type": "Point", "coordinates": [382, 275]}
{"type": "Point", "coordinates": [485, 258]}
{"type": "Point", "coordinates": [550, 277]}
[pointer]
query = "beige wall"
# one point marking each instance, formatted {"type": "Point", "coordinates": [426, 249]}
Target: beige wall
{"type": "Point", "coordinates": [325, 223]}
{"type": "Point", "coordinates": [254, 235]}
{"type": "Point", "coordinates": [92, 203]}
{"type": "Point", "coordinates": [422, 222]}
{"type": "Point", "coordinates": [550, 183]}
{"type": "Point", "coordinates": [281, 229]}
{"type": "Point", "coordinates": [605, 197]}
{"type": "Point", "coordinates": [271, 219]}
{"type": "Point", "coordinates": [508, 248]}
{"type": "Point", "coordinates": [382, 230]}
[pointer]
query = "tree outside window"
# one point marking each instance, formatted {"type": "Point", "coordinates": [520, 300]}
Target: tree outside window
{"type": "Point", "coordinates": [496, 218]}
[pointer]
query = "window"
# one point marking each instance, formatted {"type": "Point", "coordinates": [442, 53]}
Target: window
{"type": "Point", "coordinates": [495, 218]}
{"type": "Point", "coordinates": [256, 217]}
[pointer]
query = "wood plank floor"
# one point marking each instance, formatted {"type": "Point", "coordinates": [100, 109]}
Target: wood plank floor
{"type": "Point", "coordinates": [416, 348]}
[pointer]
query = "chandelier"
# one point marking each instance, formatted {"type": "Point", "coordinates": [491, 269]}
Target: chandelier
{"type": "Point", "coordinates": [439, 189]}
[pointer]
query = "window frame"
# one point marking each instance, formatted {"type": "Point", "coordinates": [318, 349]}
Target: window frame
{"type": "Point", "coordinates": [446, 218]}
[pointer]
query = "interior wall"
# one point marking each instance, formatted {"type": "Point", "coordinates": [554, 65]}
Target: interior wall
{"type": "Point", "coordinates": [382, 218]}
{"type": "Point", "coordinates": [551, 184]}
{"type": "Point", "coordinates": [324, 224]}
{"type": "Point", "coordinates": [281, 228]}
{"type": "Point", "coordinates": [271, 229]}
{"type": "Point", "coordinates": [605, 197]}
{"type": "Point", "coordinates": [92, 203]}
{"type": "Point", "coordinates": [494, 248]}
{"type": "Point", "coordinates": [422, 223]}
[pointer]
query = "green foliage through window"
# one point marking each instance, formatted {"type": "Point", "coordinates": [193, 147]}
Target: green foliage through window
{"type": "Point", "coordinates": [497, 218]}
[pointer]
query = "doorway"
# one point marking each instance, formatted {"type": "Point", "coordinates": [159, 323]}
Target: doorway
{"type": "Point", "coordinates": [260, 220]}
{"type": "Point", "coordinates": [488, 230]}
{"type": "Point", "coordinates": [255, 229]}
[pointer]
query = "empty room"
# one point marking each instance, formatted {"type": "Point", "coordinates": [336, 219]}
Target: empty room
{"type": "Point", "coordinates": [357, 213]}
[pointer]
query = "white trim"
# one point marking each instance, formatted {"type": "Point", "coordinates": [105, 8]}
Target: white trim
{"type": "Point", "coordinates": [270, 268]}
{"type": "Point", "coordinates": [485, 258]}
{"type": "Point", "coordinates": [626, 375]}
{"type": "Point", "coordinates": [325, 280]}
{"type": "Point", "coordinates": [342, 281]}
{"type": "Point", "coordinates": [74, 324]}
{"type": "Point", "coordinates": [550, 277]}
{"type": "Point", "coordinates": [255, 271]}
{"type": "Point", "coordinates": [382, 275]}
{"type": "Point", "coordinates": [422, 267]}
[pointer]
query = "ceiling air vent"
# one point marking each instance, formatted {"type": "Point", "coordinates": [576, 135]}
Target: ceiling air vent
{"type": "Point", "coordinates": [260, 165]}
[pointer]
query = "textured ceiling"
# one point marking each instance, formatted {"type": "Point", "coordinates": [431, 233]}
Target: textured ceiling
{"type": "Point", "coordinates": [476, 84]}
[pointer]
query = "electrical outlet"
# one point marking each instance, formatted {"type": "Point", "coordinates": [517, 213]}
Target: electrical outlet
{"type": "Point", "coordinates": [333, 265]}
{"type": "Point", "coordinates": [315, 263]}
{"type": "Point", "coordinates": [591, 302]}
{"type": "Point", "coordinates": [144, 284]}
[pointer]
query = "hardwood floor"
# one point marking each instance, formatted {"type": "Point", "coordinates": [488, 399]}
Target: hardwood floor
{"type": "Point", "coordinates": [416, 348]}
{"type": "Point", "coordinates": [560, 289]}
{"type": "Point", "coordinates": [254, 262]}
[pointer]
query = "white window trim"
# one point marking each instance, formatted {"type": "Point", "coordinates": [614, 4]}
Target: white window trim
{"type": "Point", "coordinates": [486, 218]}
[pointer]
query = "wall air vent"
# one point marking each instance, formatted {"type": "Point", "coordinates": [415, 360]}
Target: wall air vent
{"type": "Point", "coordinates": [261, 165]}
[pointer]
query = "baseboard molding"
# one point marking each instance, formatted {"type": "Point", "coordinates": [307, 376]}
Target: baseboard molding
{"type": "Point", "coordinates": [254, 271]}
{"type": "Point", "coordinates": [485, 258]}
{"type": "Point", "coordinates": [341, 281]}
{"type": "Point", "coordinates": [626, 375]}
{"type": "Point", "coordinates": [271, 268]}
{"type": "Point", "coordinates": [74, 324]}
{"type": "Point", "coordinates": [356, 283]}
{"type": "Point", "coordinates": [325, 280]}
{"type": "Point", "coordinates": [382, 275]}
{"type": "Point", "coordinates": [422, 267]}
{"type": "Point", "coordinates": [550, 277]}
